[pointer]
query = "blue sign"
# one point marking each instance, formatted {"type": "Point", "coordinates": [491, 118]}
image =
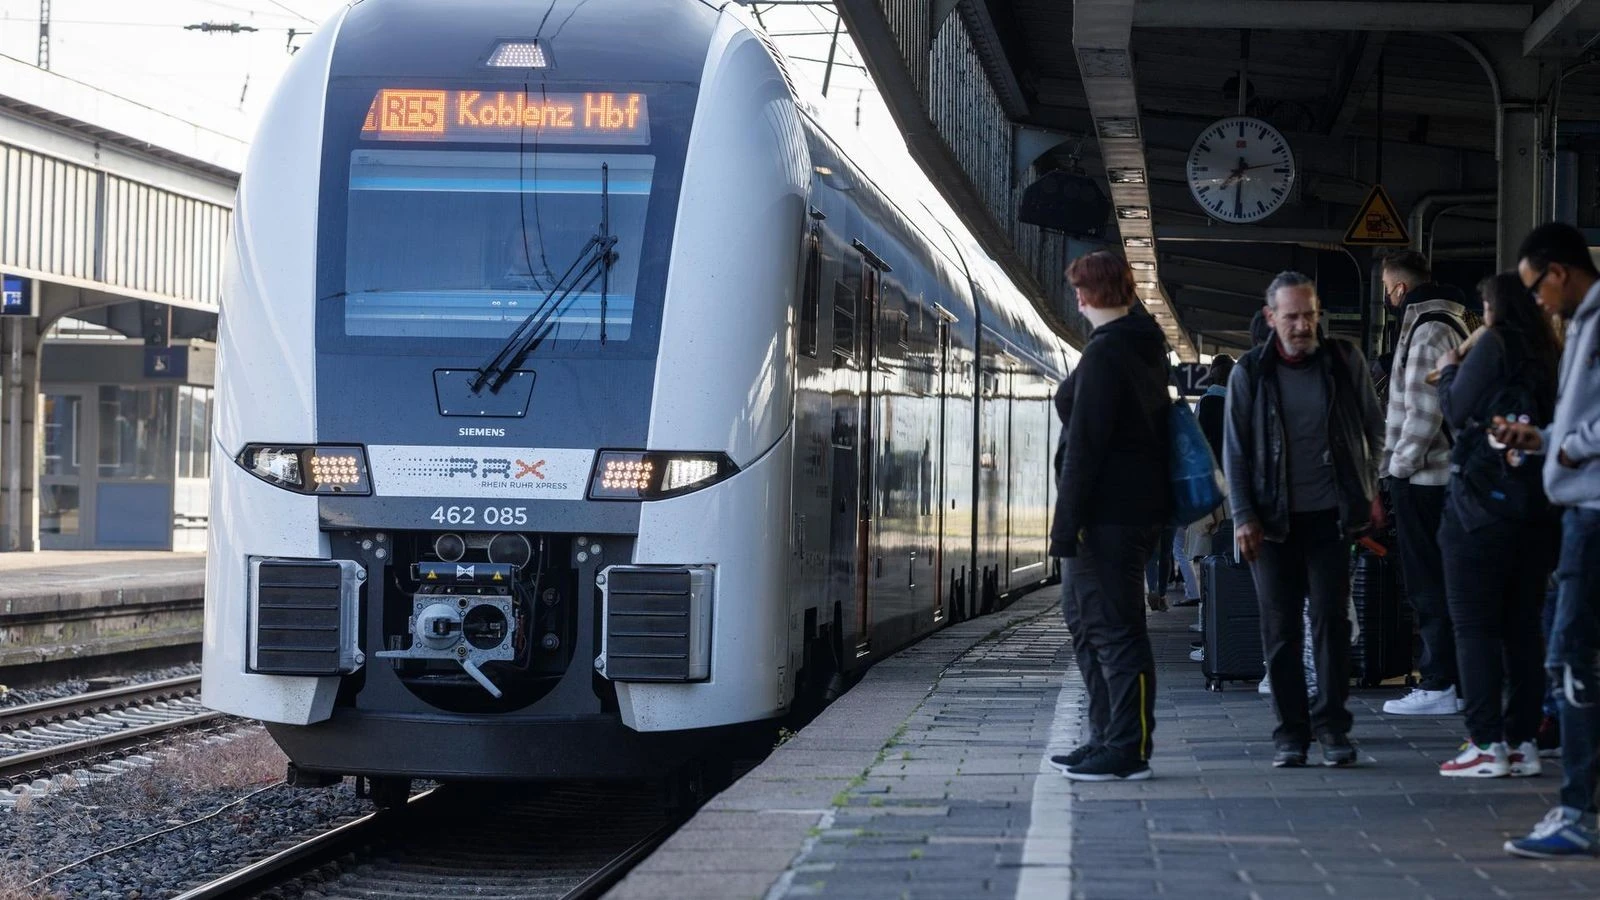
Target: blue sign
{"type": "Point", "coordinates": [16, 296]}
{"type": "Point", "coordinates": [166, 362]}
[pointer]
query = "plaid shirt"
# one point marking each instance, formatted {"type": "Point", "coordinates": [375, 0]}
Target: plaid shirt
{"type": "Point", "coordinates": [1415, 446]}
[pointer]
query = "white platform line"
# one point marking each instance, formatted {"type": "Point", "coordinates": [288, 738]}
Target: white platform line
{"type": "Point", "coordinates": [1046, 872]}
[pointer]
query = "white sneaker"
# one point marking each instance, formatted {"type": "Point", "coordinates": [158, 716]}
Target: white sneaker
{"type": "Point", "coordinates": [1478, 761]}
{"type": "Point", "coordinates": [1198, 655]}
{"type": "Point", "coordinates": [1424, 703]}
{"type": "Point", "coordinates": [1265, 687]}
{"type": "Point", "coordinates": [1524, 760]}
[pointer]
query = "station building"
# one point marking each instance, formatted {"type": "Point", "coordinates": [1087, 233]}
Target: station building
{"type": "Point", "coordinates": [113, 221]}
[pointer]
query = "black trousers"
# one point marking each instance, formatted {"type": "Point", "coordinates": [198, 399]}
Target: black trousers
{"type": "Point", "coordinates": [1311, 566]}
{"type": "Point", "coordinates": [1102, 598]}
{"type": "Point", "coordinates": [1495, 578]}
{"type": "Point", "coordinates": [1418, 512]}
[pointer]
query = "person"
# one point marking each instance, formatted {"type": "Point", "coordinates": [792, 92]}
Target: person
{"type": "Point", "coordinates": [1195, 541]}
{"type": "Point", "coordinates": [1496, 551]}
{"type": "Point", "coordinates": [1301, 451]}
{"type": "Point", "coordinates": [1112, 502]}
{"type": "Point", "coordinates": [1416, 463]}
{"type": "Point", "coordinates": [1211, 410]}
{"type": "Point", "coordinates": [1555, 266]}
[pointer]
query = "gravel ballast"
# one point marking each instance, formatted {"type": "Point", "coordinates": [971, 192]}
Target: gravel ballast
{"type": "Point", "coordinates": [21, 696]}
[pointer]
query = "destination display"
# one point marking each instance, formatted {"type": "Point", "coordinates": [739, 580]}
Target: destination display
{"type": "Point", "coordinates": [500, 116]}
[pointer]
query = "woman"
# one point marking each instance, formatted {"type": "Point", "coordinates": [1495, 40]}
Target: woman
{"type": "Point", "coordinates": [1496, 530]}
{"type": "Point", "coordinates": [1113, 500]}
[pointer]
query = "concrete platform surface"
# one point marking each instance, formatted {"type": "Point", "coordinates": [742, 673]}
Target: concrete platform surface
{"type": "Point", "coordinates": [51, 573]}
{"type": "Point", "coordinates": [930, 780]}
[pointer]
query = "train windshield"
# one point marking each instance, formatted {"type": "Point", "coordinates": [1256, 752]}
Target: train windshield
{"type": "Point", "coordinates": [465, 244]}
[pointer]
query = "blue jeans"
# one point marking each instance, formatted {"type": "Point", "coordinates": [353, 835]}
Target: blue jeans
{"type": "Point", "coordinates": [1575, 641]}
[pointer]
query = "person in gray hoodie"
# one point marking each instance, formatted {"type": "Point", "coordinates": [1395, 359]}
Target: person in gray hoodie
{"type": "Point", "coordinates": [1555, 265]}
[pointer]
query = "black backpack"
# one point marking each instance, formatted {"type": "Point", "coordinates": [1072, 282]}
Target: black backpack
{"type": "Point", "coordinates": [1512, 493]}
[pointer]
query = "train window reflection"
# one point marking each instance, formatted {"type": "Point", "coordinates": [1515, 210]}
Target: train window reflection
{"type": "Point", "coordinates": [465, 244]}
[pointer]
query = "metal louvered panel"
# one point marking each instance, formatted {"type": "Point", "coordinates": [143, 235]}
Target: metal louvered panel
{"type": "Point", "coordinates": [657, 624]}
{"type": "Point", "coordinates": [73, 221]}
{"type": "Point", "coordinates": [304, 616]}
{"type": "Point", "coordinates": [967, 113]}
{"type": "Point", "coordinates": [909, 19]}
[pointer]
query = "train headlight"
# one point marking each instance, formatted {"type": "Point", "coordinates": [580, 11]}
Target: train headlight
{"type": "Point", "coordinates": [655, 475]}
{"type": "Point", "coordinates": [309, 470]}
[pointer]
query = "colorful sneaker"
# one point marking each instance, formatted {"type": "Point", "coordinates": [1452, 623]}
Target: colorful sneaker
{"type": "Point", "coordinates": [1549, 739]}
{"type": "Point", "coordinates": [1478, 761]}
{"type": "Point", "coordinates": [1106, 764]}
{"type": "Point", "coordinates": [1068, 760]}
{"type": "Point", "coordinates": [1424, 703]}
{"type": "Point", "coordinates": [1557, 836]}
{"type": "Point", "coordinates": [1524, 760]}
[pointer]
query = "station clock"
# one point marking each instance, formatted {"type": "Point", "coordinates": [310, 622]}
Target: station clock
{"type": "Point", "coordinates": [1240, 169]}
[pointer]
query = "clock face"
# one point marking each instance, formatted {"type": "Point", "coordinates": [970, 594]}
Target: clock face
{"type": "Point", "coordinates": [1240, 169]}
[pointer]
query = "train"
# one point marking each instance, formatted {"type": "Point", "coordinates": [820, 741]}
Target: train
{"type": "Point", "coordinates": [581, 398]}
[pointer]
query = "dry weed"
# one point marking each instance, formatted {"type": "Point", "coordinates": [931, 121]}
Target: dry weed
{"type": "Point", "coordinates": [14, 878]}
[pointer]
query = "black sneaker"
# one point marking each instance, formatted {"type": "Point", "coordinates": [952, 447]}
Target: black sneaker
{"type": "Point", "coordinates": [1106, 764]}
{"type": "Point", "coordinates": [1067, 761]}
{"type": "Point", "coordinates": [1289, 755]}
{"type": "Point", "coordinates": [1336, 749]}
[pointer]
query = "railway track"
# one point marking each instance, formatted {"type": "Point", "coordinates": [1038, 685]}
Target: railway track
{"type": "Point", "coordinates": [55, 735]}
{"type": "Point", "coordinates": [555, 842]}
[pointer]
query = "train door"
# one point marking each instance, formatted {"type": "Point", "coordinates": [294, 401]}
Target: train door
{"type": "Point", "coordinates": [854, 306]}
{"type": "Point", "coordinates": [942, 383]}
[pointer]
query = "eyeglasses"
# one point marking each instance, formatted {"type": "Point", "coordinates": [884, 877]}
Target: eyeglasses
{"type": "Point", "coordinates": [1533, 289]}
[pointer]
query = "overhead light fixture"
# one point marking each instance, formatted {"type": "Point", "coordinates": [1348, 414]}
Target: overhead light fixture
{"type": "Point", "coordinates": [519, 55]}
{"type": "Point", "coordinates": [1140, 242]}
{"type": "Point", "coordinates": [1141, 264]}
{"type": "Point", "coordinates": [1125, 176]}
{"type": "Point", "coordinates": [1118, 127]}
{"type": "Point", "coordinates": [1133, 212]}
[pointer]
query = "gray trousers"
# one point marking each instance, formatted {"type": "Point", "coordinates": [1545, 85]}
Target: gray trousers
{"type": "Point", "coordinates": [1102, 598]}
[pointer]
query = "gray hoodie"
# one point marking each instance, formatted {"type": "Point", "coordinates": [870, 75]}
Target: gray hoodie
{"type": "Point", "coordinates": [1576, 428]}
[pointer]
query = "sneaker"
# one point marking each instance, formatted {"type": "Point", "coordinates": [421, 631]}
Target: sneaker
{"type": "Point", "coordinates": [1424, 703]}
{"type": "Point", "coordinates": [1478, 761]}
{"type": "Point", "coordinates": [1106, 764]}
{"type": "Point", "coordinates": [1289, 755]}
{"type": "Point", "coordinates": [1198, 655]}
{"type": "Point", "coordinates": [1555, 837]}
{"type": "Point", "coordinates": [1524, 760]}
{"type": "Point", "coordinates": [1549, 738]}
{"type": "Point", "coordinates": [1068, 760]}
{"type": "Point", "coordinates": [1336, 749]}
{"type": "Point", "coordinates": [1265, 687]}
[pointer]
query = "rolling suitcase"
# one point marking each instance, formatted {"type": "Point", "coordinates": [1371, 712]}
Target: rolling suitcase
{"type": "Point", "coordinates": [1383, 650]}
{"type": "Point", "coordinates": [1232, 623]}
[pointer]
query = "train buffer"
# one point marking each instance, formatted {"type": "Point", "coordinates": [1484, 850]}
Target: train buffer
{"type": "Point", "coordinates": [930, 779]}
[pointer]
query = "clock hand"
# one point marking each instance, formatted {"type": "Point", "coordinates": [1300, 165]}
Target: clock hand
{"type": "Point", "coordinates": [1238, 188]}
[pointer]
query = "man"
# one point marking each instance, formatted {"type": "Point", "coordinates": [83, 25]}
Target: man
{"type": "Point", "coordinates": [1416, 462]}
{"type": "Point", "coordinates": [1301, 453]}
{"type": "Point", "coordinates": [1555, 264]}
{"type": "Point", "coordinates": [1109, 512]}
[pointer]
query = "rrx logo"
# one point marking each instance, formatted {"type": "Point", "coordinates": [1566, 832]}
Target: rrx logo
{"type": "Point", "coordinates": [511, 469]}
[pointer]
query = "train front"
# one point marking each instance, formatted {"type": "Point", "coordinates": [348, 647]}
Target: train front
{"type": "Point", "coordinates": [504, 445]}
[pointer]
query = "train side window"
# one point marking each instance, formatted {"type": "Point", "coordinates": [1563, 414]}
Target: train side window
{"type": "Point", "coordinates": [844, 322]}
{"type": "Point", "coordinates": [810, 296]}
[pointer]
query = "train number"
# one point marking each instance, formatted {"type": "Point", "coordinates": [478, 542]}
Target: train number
{"type": "Point", "coordinates": [486, 515]}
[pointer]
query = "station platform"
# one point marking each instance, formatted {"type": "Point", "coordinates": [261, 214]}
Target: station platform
{"type": "Point", "coordinates": [930, 779]}
{"type": "Point", "coordinates": [65, 613]}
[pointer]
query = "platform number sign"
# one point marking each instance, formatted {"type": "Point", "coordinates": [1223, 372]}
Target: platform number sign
{"type": "Point", "coordinates": [1188, 377]}
{"type": "Point", "coordinates": [16, 298]}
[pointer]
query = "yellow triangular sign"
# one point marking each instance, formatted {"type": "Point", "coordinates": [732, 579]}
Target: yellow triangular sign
{"type": "Point", "coordinates": [1377, 222]}
{"type": "Point", "coordinates": [433, 576]}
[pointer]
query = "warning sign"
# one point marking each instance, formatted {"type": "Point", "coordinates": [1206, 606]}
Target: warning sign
{"type": "Point", "coordinates": [1377, 223]}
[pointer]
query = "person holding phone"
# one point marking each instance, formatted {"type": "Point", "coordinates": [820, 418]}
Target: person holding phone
{"type": "Point", "coordinates": [1555, 266]}
{"type": "Point", "coordinates": [1301, 449]}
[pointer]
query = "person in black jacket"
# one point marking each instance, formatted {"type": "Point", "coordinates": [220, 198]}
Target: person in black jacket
{"type": "Point", "coordinates": [1112, 501]}
{"type": "Point", "coordinates": [1301, 451]}
{"type": "Point", "coordinates": [1497, 551]}
{"type": "Point", "coordinates": [1212, 408]}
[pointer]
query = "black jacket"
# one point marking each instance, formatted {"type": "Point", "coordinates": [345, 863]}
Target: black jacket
{"type": "Point", "coordinates": [1256, 446]}
{"type": "Point", "coordinates": [1114, 410]}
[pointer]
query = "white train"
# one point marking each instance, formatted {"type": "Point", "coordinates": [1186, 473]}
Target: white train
{"type": "Point", "coordinates": [579, 394]}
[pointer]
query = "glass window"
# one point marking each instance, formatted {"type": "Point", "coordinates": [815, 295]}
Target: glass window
{"type": "Point", "coordinates": [200, 425]}
{"type": "Point", "coordinates": [467, 244]}
{"type": "Point", "coordinates": [135, 432]}
{"type": "Point", "coordinates": [58, 509]}
{"type": "Point", "coordinates": [810, 297]}
{"type": "Point", "coordinates": [62, 415]}
{"type": "Point", "coordinates": [185, 433]}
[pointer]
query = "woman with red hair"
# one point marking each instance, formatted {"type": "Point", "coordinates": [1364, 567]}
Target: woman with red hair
{"type": "Point", "coordinates": [1112, 502]}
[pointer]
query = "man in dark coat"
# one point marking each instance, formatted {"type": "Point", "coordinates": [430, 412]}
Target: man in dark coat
{"type": "Point", "coordinates": [1112, 502]}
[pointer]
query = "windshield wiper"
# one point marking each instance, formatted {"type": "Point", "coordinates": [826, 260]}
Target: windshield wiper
{"type": "Point", "coordinates": [593, 261]}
